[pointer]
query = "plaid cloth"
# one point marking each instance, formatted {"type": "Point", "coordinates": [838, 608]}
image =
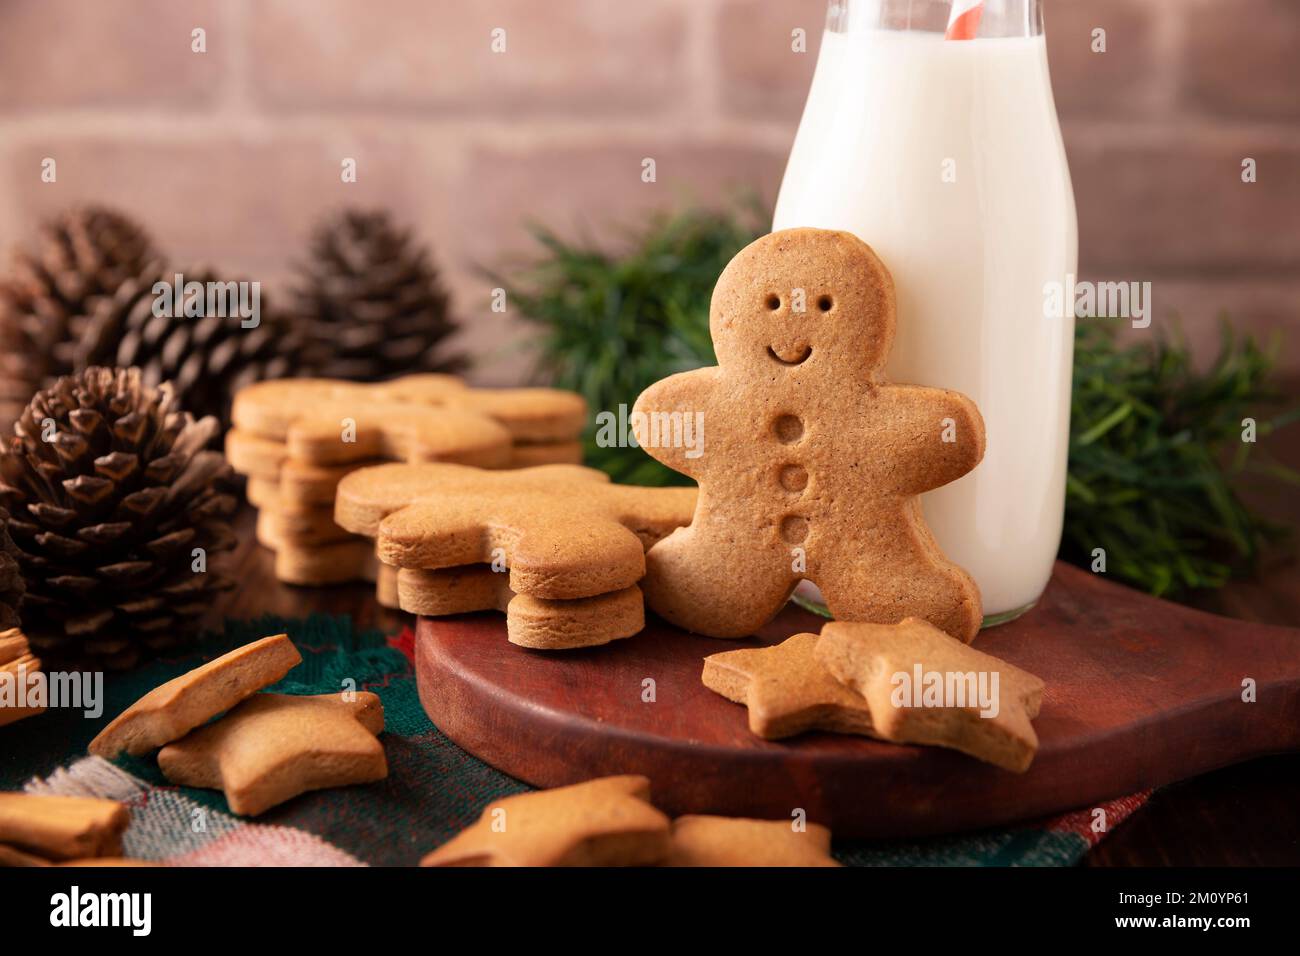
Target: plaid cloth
{"type": "Point", "coordinates": [433, 789]}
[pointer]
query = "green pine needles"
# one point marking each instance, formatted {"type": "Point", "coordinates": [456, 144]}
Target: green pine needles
{"type": "Point", "coordinates": [1156, 446]}
{"type": "Point", "coordinates": [1158, 453]}
{"type": "Point", "coordinates": [614, 324]}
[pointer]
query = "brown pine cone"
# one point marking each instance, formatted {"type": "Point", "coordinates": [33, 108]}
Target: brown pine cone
{"type": "Point", "coordinates": [110, 489]}
{"type": "Point", "coordinates": [81, 255]}
{"type": "Point", "coordinates": [370, 302]}
{"type": "Point", "coordinates": [206, 358]}
{"type": "Point", "coordinates": [11, 576]}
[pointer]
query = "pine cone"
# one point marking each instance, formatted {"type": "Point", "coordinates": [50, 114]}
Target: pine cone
{"type": "Point", "coordinates": [371, 303]}
{"type": "Point", "coordinates": [110, 490]}
{"type": "Point", "coordinates": [82, 254]}
{"type": "Point", "coordinates": [206, 358]}
{"type": "Point", "coordinates": [11, 576]}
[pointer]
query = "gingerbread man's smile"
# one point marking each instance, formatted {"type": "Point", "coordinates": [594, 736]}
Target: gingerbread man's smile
{"type": "Point", "coordinates": [790, 354]}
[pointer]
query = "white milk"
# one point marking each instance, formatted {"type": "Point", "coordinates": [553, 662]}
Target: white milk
{"type": "Point", "coordinates": [887, 115]}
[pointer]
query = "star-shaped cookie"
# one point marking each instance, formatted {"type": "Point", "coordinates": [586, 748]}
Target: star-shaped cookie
{"type": "Point", "coordinates": [171, 710]}
{"type": "Point", "coordinates": [604, 822]}
{"type": "Point", "coordinates": [925, 687]}
{"type": "Point", "coordinates": [787, 690]}
{"type": "Point", "coordinates": [730, 841]}
{"type": "Point", "coordinates": [276, 746]}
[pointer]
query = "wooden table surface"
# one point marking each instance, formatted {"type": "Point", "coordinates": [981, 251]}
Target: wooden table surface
{"type": "Point", "coordinates": [1239, 816]}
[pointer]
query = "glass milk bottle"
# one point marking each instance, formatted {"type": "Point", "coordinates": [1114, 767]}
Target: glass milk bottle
{"type": "Point", "coordinates": [945, 155]}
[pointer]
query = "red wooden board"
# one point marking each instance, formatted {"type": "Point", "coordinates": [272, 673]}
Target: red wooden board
{"type": "Point", "coordinates": [1140, 693]}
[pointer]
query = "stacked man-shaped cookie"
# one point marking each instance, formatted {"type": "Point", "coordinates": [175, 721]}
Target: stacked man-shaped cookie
{"type": "Point", "coordinates": [295, 439]}
{"type": "Point", "coordinates": [559, 548]}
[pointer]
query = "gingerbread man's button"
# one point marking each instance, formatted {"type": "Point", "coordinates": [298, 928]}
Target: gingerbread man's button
{"type": "Point", "coordinates": [788, 429]}
{"type": "Point", "coordinates": [793, 478]}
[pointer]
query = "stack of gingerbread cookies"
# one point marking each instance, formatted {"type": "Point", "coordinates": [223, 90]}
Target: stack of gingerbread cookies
{"type": "Point", "coordinates": [295, 440]}
{"type": "Point", "coordinates": [20, 676]}
{"type": "Point", "coordinates": [558, 548]}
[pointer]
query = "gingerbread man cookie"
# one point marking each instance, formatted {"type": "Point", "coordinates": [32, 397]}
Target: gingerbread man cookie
{"type": "Point", "coordinates": [813, 462]}
{"type": "Point", "coordinates": [563, 531]}
{"type": "Point", "coordinates": [419, 417]}
{"type": "Point", "coordinates": [324, 422]}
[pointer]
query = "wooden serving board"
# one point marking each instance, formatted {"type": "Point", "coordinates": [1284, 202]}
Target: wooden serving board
{"type": "Point", "coordinates": [1140, 692]}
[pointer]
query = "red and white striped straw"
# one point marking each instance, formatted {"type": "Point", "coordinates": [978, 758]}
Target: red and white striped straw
{"type": "Point", "coordinates": [964, 21]}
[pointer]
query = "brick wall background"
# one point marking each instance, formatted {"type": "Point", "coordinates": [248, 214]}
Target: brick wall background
{"type": "Point", "coordinates": [230, 155]}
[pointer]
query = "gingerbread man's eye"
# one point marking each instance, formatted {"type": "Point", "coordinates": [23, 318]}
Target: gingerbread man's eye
{"type": "Point", "coordinates": [774, 302]}
{"type": "Point", "coordinates": [824, 303]}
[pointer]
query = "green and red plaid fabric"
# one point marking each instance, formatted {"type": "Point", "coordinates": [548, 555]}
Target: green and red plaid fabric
{"type": "Point", "coordinates": [433, 790]}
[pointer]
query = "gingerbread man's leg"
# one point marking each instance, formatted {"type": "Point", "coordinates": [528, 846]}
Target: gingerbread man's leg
{"type": "Point", "coordinates": [711, 583]}
{"type": "Point", "coordinates": [893, 572]}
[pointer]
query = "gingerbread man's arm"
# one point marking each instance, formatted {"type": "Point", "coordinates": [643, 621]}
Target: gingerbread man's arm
{"type": "Point", "coordinates": [927, 436]}
{"type": "Point", "coordinates": [670, 419]}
